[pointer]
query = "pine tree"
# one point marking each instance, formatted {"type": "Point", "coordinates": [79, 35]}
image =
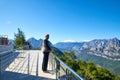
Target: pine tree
{"type": "Point", "coordinates": [19, 39]}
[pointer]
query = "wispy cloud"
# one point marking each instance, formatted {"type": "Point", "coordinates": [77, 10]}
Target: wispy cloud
{"type": "Point", "coordinates": [76, 41]}
{"type": "Point", "coordinates": [85, 40]}
{"type": "Point", "coordinates": [69, 41]}
{"type": "Point", "coordinates": [9, 22]}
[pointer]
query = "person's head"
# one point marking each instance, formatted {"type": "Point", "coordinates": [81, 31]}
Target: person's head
{"type": "Point", "coordinates": [47, 36]}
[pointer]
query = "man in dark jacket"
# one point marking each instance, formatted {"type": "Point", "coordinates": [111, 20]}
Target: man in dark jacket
{"type": "Point", "coordinates": [46, 51]}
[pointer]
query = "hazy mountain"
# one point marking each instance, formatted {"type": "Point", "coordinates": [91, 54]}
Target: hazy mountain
{"type": "Point", "coordinates": [69, 46]}
{"type": "Point", "coordinates": [107, 48]}
{"type": "Point", "coordinates": [38, 43]}
{"type": "Point", "coordinates": [103, 52]}
{"type": "Point", "coordinates": [35, 43]}
{"type": "Point", "coordinates": [11, 42]}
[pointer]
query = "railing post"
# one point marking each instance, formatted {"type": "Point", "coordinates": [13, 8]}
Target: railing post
{"type": "Point", "coordinates": [57, 68]}
{"type": "Point", "coordinates": [64, 72]}
{"type": "Point", "coordinates": [28, 62]}
{"type": "Point", "coordinates": [9, 60]}
{"type": "Point", "coordinates": [14, 56]}
{"type": "Point", "coordinates": [0, 67]}
{"type": "Point", "coordinates": [54, 63]}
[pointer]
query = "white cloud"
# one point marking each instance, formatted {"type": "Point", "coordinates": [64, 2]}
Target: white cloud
{"type": "Point", "coordinates": [85, 40]}
{"type": "Point", "coordinates": [76, 41]}
{"type": "Point", "coordinates": [69, 41]}
{"type": "Point", "coordinates": [9, 22]}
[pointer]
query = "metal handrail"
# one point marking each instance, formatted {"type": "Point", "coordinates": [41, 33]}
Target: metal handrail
{"type": "Point", "coordinates": [6, 59]}
{"type": "Point", "coordinates": [62, 71]}
{"type": "Point", "coordinates": [60, 67]}
{"type": "Point", "coordinates": [4, 48]}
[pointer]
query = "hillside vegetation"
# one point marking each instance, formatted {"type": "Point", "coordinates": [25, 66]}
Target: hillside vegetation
{"type": "Point", "coordinates": [111, 65]}
{"type": "Point", "coordinates": [102, 52]}
{"type": "Point", "coordinates": [88, 70]}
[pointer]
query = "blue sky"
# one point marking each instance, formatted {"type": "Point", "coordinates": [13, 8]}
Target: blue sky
{"type": "Point", "coordinates": [75, 20]}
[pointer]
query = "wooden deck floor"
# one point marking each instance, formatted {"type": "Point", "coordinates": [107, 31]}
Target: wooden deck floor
{"type": "Point", "coordinates": [27, 66]}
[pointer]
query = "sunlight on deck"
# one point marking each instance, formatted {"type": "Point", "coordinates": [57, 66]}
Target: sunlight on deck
{"type": "Point", "coordinates": [27, 66]}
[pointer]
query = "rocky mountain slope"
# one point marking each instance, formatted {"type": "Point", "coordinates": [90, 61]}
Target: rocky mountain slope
{"type": "Point", "coordinates": [35, 43]}
{"type": "Point", "coordinates": [107, 48]}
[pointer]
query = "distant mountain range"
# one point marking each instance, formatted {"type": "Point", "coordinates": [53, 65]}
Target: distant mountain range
{"type": "Point", "coordinates": [104, 52]}
{"type": "Point", "coordinates": [107, 48]}
{"type": "Point", "coordinates": [35, 43]}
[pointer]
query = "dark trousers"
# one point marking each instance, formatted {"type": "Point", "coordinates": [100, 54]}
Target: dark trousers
{"type": "Point", "coordinates": [45, 61]}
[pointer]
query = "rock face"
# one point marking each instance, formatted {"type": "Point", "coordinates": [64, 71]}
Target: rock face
{"type": "Point", "coordinates": [35, 43]}
{"type": "Point", "coordinates": [108, 48]}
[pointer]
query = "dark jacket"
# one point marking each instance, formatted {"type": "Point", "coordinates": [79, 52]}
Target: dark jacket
{"type": "Point", "coordinates": [46, 45]}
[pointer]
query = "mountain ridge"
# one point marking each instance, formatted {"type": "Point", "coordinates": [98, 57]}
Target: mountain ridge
{"type": "Point", "coordinates": [107, 48]}
{"type": "Point", "coordinates": [34, 42]}
{"type": "Point", "coordinates": [103, 52]}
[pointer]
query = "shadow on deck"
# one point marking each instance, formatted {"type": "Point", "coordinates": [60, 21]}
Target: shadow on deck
{"type": "Point", "coordinates": [27, 65]}
{"type": "Point", "coordinates": [19, 76]}
{"type": "Point", "coordinates": [24, 65]}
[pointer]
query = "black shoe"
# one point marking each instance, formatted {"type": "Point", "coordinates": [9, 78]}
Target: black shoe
{"type": "Point", "coordinates": [45, 71]}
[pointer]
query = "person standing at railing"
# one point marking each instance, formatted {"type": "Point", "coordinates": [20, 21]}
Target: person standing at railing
{"type": "Point", "coordinates": [46, 50]}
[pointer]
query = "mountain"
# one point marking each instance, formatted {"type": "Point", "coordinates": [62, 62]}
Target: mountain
{"type": "Point", "coordinates": [68, 46]}
{"type": "Point", "coordinates": [35, 43]}
{"type": "Point", "coordinates": [103, 52]}
{"type": "Point", "coordinates": [107, 48]}
{"type": "Point", "coordinates": [10, 42]}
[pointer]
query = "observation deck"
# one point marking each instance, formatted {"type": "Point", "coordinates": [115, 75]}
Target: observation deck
{"type": "Point", "coordinates": [27, 65]}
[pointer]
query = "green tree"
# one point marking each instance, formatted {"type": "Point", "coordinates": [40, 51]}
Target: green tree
{"type": "Point", "coordinates": [19, 38]}
{"type": "Point", "coordinates": [88, 70]}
